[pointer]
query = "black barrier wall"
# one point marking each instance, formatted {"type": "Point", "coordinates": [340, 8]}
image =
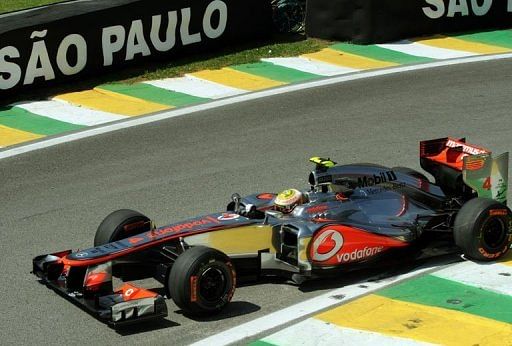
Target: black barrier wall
{"type": "Point", "coordinates": [378, 21]}
{"type": "Point", "coordinates": [68, 41]}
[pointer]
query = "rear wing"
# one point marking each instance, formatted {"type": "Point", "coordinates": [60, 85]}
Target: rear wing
{"type": "Point", "coordinates": [456, 164]}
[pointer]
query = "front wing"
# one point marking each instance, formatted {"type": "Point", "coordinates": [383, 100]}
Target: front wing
{"type": "Point", "coordinates": [91, 289]}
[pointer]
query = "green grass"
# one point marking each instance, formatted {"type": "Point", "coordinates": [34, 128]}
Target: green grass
{"type": "Point", "coordinates": [13, 5]}
{"type": "Point", "coordinates": [243, 55]}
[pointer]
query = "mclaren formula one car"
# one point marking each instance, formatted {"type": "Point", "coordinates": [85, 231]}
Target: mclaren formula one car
{"type": "Point", "coordinates": [351, 216]}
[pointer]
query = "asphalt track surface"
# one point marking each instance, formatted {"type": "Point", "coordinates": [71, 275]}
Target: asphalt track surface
{"type": "Point", "coordinates": [53, 199]}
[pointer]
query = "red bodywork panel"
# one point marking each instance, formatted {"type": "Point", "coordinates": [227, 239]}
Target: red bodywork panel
{"type": "Point", "coordinates": [337, 244]}
{"type": "Point", "coordinates": [449, 151]}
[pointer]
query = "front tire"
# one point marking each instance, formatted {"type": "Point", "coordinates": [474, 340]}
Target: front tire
{"type": "Point", "coordinates": [121, 224]}
{"type": "Point", "coordinates": [483, 229]}
{"type": "Point", "coordinates": [202, 281]}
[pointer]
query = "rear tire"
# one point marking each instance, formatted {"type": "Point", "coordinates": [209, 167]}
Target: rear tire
{"type": "Point", "coordinates": [483, 229]}
{"type": "Point", "coordinates": [202, 281]}
{"type": "Point", "coordinates": [121, 224]}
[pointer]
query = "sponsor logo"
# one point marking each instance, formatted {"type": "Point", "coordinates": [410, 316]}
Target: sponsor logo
{"type": "Point", "coordinates": [492, 255]}
{"type": "Point", "coordinates": [81, 254]}
{"type": "Point", "coordinates": [187, 226]}
{"type": "Point", "coordinates": [358, 254]}
{"type": "Point", "coordinates": [375, 179]}
{"type": "Point", "coordinates": [474, 163]}
{"type": "Point", "coordinates": [465, 148]}
{"type": "Point", "coordinates": [386, 187]}
{"type": "Point", "coordinates": [193, 288]}
{"type": "Point", "coordinates": [326, 245]}
{"type": "Point", "coordinates": [498, 212]}
{"type": "Point", "coordinates": [317, 209]}
{"type": "Point", "coordinates": [324, 179]}
{"type": "Point", "coordinates": [265, 196]}
{"type": "Point", "coordinates": [228, 216]}
{"type": "Point", "coordinates": [129, 292]}
{"type": "Point", "coordinates": [135, 240]}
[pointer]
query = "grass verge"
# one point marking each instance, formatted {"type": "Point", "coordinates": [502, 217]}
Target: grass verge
{"type": "Point", "coordinates": [14, 5]}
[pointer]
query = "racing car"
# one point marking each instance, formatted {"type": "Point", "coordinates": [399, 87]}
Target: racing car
{"type": "Point", "coordinates": [349, 217]}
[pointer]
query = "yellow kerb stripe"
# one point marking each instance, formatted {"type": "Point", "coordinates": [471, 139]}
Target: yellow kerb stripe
{"type": "Point", "coordinates": [419, 322]}
{"type": "Point", "coordinates": [9, 136]}
{"type": "Point", "coordinates": [344, 59]}
{"type": "Point", "coordinates": [458, 44]}
{"type": "Point", "coordinates": [111, 102]}
{"type": "Point", "coordinates": [237, 79]}
{"type": "Point", "coordinates": [507, 260]}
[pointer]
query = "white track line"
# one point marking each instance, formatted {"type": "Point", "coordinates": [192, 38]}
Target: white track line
{"type": "Point", "coordinates": [310, 66]}
{"type": "Point", "coordinates": [419, 49]}
{"type": "Point", "coordinates": [63, 111]}
{"type": "Point", "coordinates": [493, 277]}
{"type": "Point", "coordinates": [306, 308]}
{"type": "Point", "coordinates": [320, 333]}
{"type": "Point", "coordinates": [197, 87]}
{"type": "Point", "coordinates": [13, 151]}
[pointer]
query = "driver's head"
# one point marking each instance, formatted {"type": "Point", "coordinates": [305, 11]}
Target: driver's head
{"type": "Point", "coordinates": [287, 200]}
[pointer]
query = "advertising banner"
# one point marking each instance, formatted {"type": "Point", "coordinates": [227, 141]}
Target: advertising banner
{"type": "Point", "coordinates": [379, 21]}
{"type": "Point", "coordinates": [67, 41]}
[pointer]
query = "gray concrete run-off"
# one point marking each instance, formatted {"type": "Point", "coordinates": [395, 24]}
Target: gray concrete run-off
{"type": "Point", "coordinates": [53, 199]}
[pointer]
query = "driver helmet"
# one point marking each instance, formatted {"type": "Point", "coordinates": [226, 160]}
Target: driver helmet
{"type": "Point", "coordinates": [287, 200]}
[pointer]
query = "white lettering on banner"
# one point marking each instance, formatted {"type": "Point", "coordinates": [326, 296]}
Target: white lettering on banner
{"type": "Point", "coordinates": [39, 64]}
{"type": "Point", "coordinates": [457, 6]}
{"type": "Point", "coordinates": [80, 45]}
{"type": "Point", "coordinates": [114, 38]}
{"type": "Point", "coordinates": [437, 8]}
{"type": "Point", "coordinates": [509, 7]}
{"type": "Point", "coordinates": [186, 37]}
{"type": "Point", "coordinates": [436, 12]}
{"type": "Point", "coordinates": [170, 35]}
{"type": "Point", "coordinates": [11, 69]}
{"type": "Point", "coordinates": [482, 9]}
{"type": "Point", "coordinates": [136, 43]}
{"type": "Point", "coordinates": [110, 47]}
{"type": "Point", "coordinates": [221, 7]}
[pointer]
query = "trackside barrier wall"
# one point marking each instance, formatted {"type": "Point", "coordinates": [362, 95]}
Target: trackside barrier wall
{"type": "Point", "coordinates": [68, 41]}
{"type": "Point", "coordinates": [378, 21]}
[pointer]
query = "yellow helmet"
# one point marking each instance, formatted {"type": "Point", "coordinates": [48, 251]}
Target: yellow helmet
{"type": "Point", "coordinates": [287, 200]}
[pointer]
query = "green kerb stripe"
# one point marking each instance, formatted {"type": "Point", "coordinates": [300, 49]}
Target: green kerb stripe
{"type": "Point", "coordinates": [447, 294]}
{"type": "Point", "coordinates": [379, 53]}
{"type": "Point", "coordinates": [260, 343]}
{"type": "Point", "coordinates": [275, 72]}
{"type": "Point", "coordinates": [153, 94]}
{"type": "Point", "coordinates": [21, 119]}
{"type": "Point", "coordinates": [501, 38]}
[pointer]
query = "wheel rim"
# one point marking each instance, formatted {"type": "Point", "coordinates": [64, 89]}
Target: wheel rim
{"type": "Point", "coordinates": [212, 284]}
{"type": "Point", "coordinates": [494, 233]}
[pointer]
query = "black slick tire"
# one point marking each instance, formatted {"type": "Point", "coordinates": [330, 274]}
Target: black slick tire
{"type": "Point", "coordinates": [121, 224]}
{"type": "Point", "coordinates": [202, 281]}
{"type": "Point", "coordinates": [483, 229]}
